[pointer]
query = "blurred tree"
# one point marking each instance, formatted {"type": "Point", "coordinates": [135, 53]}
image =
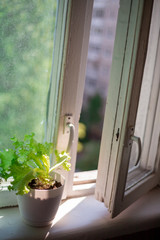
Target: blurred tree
{"type": "Point", "coordinates": [81, 135]}
{"type": "Point", "coordinates": [94, 109]}
{"type": "Point", "coordinates": [88, 158]}
{"type": "Point", "coordinates": [91, 112]}
{"type": "Point", "coordinates": [91, 118]}
{"type": "Point", "coordinates": [26, 49]}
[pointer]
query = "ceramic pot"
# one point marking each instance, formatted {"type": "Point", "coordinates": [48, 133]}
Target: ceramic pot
{"type": "Point", "coordinates": [39, 207]}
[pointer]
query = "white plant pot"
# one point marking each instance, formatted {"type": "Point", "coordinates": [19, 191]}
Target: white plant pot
{"type": "Point", "coordinates": [39, 207]}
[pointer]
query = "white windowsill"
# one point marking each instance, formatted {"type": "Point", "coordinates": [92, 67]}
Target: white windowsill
{"type": "Point", "coordinates": [85, 218]}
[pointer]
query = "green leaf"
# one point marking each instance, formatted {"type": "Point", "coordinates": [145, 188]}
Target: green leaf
{"type": "Point", "coordinates": [29, 160]}
{"type": "Point", "coordinates": [46, 162]}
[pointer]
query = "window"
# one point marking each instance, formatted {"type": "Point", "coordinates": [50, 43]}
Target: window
{"type": "Point", "coordinates": [128, 71]}
{"type": "Point", "coordinates": [108, 52]}
{"type": "Point", "coordinates": [95, 48]}
{"type": "Point", "coordinates": [31, 45]}
{"type": "Point", "coordinates": [98, 30]}
{"type": "Point", "coordinates": [99, 13]}
{"type": "Point", "coordinates": [91, 82]}
{"type": "Point", "coordinates": [110, 33]}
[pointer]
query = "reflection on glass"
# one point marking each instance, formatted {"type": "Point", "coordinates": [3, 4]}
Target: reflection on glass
{"type": "Point", "coordinates": [26, 47]}
{"type": "Point", "coordinates": [141, 118]}
{"type": "Point", "coordinates": [140, 126]}
{"type": "Point", "coordinates": [146, 126]}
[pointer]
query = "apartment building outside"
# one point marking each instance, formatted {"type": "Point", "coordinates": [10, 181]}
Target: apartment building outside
{"type": "Point", "coordinates": [102, 34]}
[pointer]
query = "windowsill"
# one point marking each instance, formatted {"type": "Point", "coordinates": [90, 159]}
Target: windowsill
{"type": "Point", "coordinates": [85, 218]}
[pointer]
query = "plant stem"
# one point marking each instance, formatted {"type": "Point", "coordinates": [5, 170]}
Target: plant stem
{"type": "Point", "coordinates": [57, 165]}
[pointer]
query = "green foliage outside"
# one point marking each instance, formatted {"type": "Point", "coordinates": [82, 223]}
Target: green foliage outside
{"type": "Point", "coordinates": [91, 115]}
{"type": "Point", "coordinates": [89, 143]}
{"type": "Point", "coordinates": [26, 49]}
{"type": "Point", "coordinates": [88, 158]}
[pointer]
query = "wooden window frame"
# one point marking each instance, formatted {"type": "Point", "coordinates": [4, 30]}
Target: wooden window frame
{"type": "Point", "coordinates": [126, 76]}
{"type": "Point", "coordinates": [75, 63]}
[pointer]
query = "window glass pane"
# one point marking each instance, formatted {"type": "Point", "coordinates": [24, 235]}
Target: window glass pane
{"type": "Point", "coordinates": [101, 43]}
{"type": "Point", "coordinates": [141, 119]}
{"type": "Point", "coordinates": [146, 115]}
{"type": "Point", "coordinates": [26, 49]}
{"type": "Point", "coordinates": [147, 102]}
{"type": "Point", "coordinates": [140, 128]}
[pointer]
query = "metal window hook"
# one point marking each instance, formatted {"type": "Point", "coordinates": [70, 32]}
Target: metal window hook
{"type": "Point", "coordinates": [138, 142]}
{"type": "Point", "coordinates": [69, 128]}
{"type": "Point", "coordinates": [71, 136]}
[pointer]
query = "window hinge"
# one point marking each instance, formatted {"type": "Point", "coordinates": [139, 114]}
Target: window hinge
{"type": "Point", "coordinates": [117, 135]}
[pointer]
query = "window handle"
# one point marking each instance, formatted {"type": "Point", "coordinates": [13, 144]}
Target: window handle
{"type": "Point", "coordinates": [69, 128]}
{"type": "Point", "coordinates": [138, 141]}
{"type": "Point", "coordinates": [71, 136]}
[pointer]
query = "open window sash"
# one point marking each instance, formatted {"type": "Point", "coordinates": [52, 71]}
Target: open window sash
{"type": "Point", "coordinates": [117, 185]}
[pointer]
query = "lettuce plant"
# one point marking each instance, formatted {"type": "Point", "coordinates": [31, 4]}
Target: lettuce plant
{"type": "Point", "coordinates": [29, 160]}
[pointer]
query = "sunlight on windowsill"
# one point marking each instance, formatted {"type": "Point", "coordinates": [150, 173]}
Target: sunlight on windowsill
{"type": "Point", "coordinates": [65, 208]}
{"type": "Point", "coordinates": [85, 218]}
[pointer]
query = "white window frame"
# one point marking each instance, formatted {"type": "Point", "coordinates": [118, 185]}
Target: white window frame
{"type": "Point", "coordinates": [122, 107]}
{"type": "Point", "coordinates": [73, 86]}
{"type": "Point", "coordinates": [115, 94]}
